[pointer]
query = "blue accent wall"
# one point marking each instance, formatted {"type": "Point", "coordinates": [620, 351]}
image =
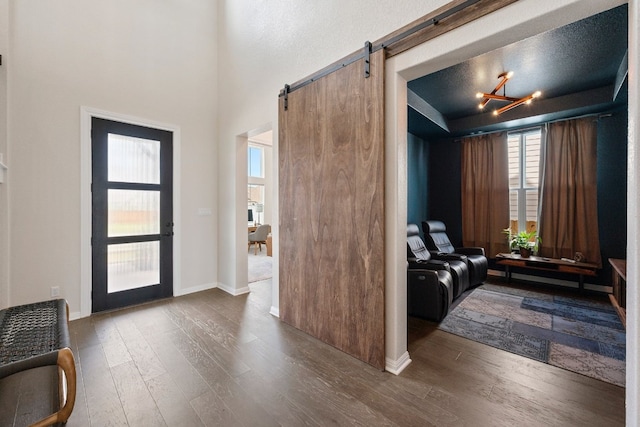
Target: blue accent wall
{"type": "Point", "coordinates": [445, 200]}
{"type": "Point", "coordinates": [612, 189]}
{"type": "Point", "coordinates": [417, 179]}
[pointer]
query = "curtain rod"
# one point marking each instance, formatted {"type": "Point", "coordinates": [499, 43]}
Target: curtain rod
{"type": "Point", "coordinates": [531, 127]}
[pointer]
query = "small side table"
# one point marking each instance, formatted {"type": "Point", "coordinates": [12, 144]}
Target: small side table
{"type": "Point", "coordinates": [619, 284]}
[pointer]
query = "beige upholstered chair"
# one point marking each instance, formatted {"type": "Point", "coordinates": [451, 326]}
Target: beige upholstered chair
{"type": "Point", "coordinates": [258, 237]}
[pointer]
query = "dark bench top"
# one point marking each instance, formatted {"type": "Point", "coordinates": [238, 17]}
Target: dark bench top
{"type": "Point", "coordinates": [31, 335]}
{"type": "Point", "coordinates": [36, 336]}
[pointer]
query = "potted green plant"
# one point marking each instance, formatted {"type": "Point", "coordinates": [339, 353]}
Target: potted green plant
{"type": "Point", "coordinates": [524, 241]}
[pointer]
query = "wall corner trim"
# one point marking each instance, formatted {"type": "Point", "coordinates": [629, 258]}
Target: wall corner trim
{"type": "Point", "coordinates": [398, 365]}
{"type": "Point", "coordinates": [274, 311]}
{"type": "Point", "coordinates": [3, 169]}
{"type": "Point", "coordinates": [234, 291]}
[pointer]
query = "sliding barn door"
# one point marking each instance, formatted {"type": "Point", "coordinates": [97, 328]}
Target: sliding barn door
{"type": "Point", "coordinates": [331, 192]}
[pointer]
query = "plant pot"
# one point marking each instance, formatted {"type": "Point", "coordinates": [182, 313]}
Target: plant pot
{"type": "Point", "coordinates": [525, 252]}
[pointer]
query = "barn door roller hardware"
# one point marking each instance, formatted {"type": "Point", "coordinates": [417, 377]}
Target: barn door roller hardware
{"type": "Point", "coordinates": [286, 91]}
{"type": "Point", "coordinates": [364, 54]}
{"type": "Point", "coordinates": [484, 6]}
{"type": "Point", "coordinates": [367, 58]}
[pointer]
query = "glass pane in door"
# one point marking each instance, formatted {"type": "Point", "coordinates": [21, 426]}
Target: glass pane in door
{"type": "Point", "coordinates": [132, 265]}
{"type": "Point", "coordinates": [133, 159]}
{"type": "Point", "coordinates": [133, 212]}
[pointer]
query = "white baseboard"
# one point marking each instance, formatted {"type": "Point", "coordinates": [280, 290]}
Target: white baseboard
{"type": "Point", "coordinates": [275, 311]}
{"type": "Point", "coordinates": [193, 289]}
{"type": "Point", "coordinates": [398, 365]}
{"type": "Point", "coordinates": [233, 291]}
{"type": "Point", "coordinates": [183, 291]}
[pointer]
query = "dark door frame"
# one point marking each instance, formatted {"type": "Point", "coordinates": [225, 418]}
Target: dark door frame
{"type": "Point", "coordinates": [86, 115]}
{"type": "Point", "coordinates": [100, 187]}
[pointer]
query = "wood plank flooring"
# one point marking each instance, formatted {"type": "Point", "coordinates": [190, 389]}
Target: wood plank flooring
{"type": "Point", "coordinates": [216, 360]}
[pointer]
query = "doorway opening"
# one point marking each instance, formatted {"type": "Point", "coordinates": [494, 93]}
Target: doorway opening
{"type": "Point", "coordinates": [256, 200]}
{"type": "Point", "coordinates": [447, 50]}
{"type": "Point", "coordinates": [260, 207]}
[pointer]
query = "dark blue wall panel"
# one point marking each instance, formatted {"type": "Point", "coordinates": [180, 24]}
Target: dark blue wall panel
{"type": "Point", "coordinates": [612, 188]}
{"type": "Point", "coordinates": [417, 179]}
{"type": "Point", "coordinates": [444, 201]}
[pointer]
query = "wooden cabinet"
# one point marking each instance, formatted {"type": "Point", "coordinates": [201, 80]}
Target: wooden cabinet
{"type": "Point", "coordinates": [619, 284]}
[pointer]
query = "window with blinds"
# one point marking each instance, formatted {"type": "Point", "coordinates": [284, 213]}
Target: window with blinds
{"type": "Point", "coordinates": [524, 173]}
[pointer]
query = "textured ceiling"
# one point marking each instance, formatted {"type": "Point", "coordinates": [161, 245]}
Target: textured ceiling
{"type": "Point", "coordinates": [578, 57]}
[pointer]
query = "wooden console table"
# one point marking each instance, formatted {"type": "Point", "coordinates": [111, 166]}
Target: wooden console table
{"type": "Point", "coordinates": [547, 264]}
{"type": "Point", "coordinates": [619, 284]}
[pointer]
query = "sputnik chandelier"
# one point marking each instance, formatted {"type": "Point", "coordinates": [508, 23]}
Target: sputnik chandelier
{"type": "Point", "coordinates": [513, 102]}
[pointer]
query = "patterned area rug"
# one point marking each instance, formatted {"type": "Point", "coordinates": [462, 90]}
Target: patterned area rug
{"type": "Point", "coordinates": [586, 337]}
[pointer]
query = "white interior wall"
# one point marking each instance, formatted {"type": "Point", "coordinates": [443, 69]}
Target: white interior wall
{"type": "Point", "coordinates": [147, 59]}
{"type": "Point", "coordinates": [4, 200]}
{"type": "Point", "coordinates": [633, 221]}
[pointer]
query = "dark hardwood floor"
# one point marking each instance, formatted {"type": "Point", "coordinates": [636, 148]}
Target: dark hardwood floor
{"type": "Point", "coordinates": [217, 360]}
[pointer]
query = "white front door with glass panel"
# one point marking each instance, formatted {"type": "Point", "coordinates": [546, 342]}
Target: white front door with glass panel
{"type": "Point", "coordinates": [132, 214]}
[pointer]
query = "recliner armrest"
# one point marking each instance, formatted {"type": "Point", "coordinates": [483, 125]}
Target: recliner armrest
{"type": "Point", "coordinates": [432, 264]}
{"type": "Point", "coordinates": [436, 264]}
{"type": "Point", "coordinates": [470, 251]}
{"type": "Point", "coordinates": [444, 256]}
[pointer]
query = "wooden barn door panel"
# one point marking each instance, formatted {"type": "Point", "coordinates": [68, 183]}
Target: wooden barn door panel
{"type": "Point", "coordinates": [331, 192]}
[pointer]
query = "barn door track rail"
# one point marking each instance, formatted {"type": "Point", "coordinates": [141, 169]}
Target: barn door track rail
{"type": "Point", "coordinates": [445, 19]}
